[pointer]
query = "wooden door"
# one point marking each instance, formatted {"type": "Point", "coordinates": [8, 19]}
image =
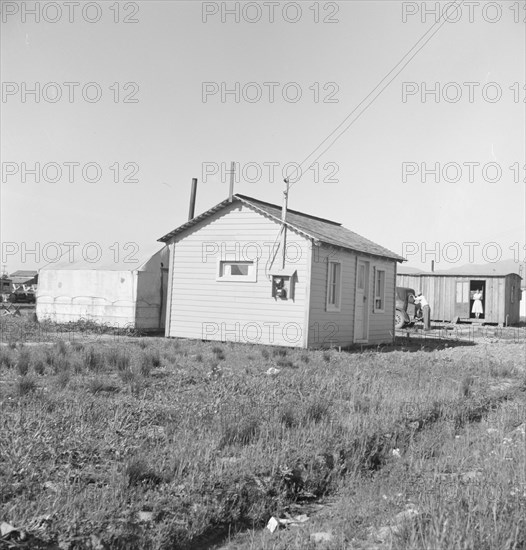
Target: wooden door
{"type": "Point", "coordinates": [361, 317]}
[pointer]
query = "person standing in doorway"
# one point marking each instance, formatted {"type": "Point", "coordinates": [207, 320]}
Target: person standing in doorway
{"type": "Point", "coordinates": [477, 308]}
{"type": "Point", "coordinates": [426, 310]}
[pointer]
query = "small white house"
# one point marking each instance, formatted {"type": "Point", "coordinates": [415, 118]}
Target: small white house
{"type": "Point", "coordinates": [229, 279]}
{"type": "Point", "coordinates": [129, 293]}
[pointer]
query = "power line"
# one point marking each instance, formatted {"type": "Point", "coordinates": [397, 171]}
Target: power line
{"type": "Point", "coordinates": [402, 64]}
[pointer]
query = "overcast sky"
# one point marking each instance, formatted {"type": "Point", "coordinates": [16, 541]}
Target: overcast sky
{"type": "Point", "coordinates": [162, 119]}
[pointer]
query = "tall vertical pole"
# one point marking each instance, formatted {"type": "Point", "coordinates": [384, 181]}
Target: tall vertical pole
{"type": "Point", "coordinates": [283, 220]}
{"type": "Point", "coordinates": [232, 172]}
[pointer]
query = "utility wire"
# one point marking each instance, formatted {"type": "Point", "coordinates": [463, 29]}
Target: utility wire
{"type": "Point", "coordinates": [406, 59]}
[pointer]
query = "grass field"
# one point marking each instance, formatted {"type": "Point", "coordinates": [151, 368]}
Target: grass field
{"type": "Point", "coordinates": [143, 443]}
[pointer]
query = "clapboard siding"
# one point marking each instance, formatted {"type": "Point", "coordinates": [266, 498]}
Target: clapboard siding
{"type": "Point", "coordinates": [328, 328]}
{"type": "Point", "coordinates": [204, 308]}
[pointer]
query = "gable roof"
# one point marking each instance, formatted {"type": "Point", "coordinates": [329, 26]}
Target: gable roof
{"type": "Point", "coordinates": [318, 229]}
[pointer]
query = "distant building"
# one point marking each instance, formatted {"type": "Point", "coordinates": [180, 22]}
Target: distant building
{"type": "Point", "coordinates": [24, 280]}
{"type": "Point", "coordinates": [118, 294]}
{"type": "Point", "coordinates": [229, 280]}
{"type": "Point", "coordinates": [450, 295]}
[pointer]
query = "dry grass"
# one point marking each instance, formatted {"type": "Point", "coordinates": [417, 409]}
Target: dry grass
{"type": "Point", "coordinates": [201, 437]}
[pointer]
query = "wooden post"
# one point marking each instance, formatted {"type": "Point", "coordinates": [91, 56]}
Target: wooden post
{"type": "Point", "coordinates": [232, 172]}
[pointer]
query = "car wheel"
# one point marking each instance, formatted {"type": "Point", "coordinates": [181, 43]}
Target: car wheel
{"type": "Point", "coordinates": [399, 319]}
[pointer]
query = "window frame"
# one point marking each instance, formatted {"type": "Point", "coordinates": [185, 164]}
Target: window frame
{"type": "Point", "coordinates": [381, 296]}
{"type": "Point", "coordinates": [251, 277]}
{"type": "Point", "coordinates": [334, 307]}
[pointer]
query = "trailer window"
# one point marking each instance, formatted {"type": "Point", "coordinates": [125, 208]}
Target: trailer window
{"type": "Point", "coordinates": [334, 286]}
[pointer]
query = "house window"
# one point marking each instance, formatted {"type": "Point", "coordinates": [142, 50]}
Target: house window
{"type": "Point", "coordinates": [236, 271]}
{"type": "Point", "coordinates": [512, 294]}
{"type": "Point", "coordinates": [334, 286]}
{"type": "Point", "coordinates": [379, 290]}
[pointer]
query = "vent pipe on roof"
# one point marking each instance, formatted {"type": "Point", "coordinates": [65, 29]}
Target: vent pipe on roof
{"type": "Point", "coordinates": [232, 173]}
{"type": "Point", "coordinates": [192, 199]}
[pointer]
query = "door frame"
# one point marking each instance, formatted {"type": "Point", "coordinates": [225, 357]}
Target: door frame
{"type": "Point", "coordinates": [478, 283]}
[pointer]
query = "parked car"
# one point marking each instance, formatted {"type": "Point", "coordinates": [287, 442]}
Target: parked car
{"type": "Point", "coordinates": [406, 310]}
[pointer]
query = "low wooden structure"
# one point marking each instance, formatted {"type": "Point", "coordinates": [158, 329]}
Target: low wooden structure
{"type": "Point", "coordinates": [450, 295]}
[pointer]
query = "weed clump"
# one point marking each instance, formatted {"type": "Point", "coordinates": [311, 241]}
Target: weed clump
{"type": "Point", "coordinates": [25, 385]}
{"type": "Point", "coordinates": [138, 472]}
{"type": "Point", "coordinates": [240, 432]}
{"type": "Point", "coordinates": [61, 364]}
{"type": "Point", "coordinates": [128, 376]}
{"type": "Point", "coordinates": [61, 347]}
{"type": "Point", "coordinates": [49, 357]}
{"type": "Point", "coordinates": [150, 359]}
{"type": "Point", "coordinates": [265, 354]}
{"type": "Point", "coordinates": [62, 379]}
{"type": "Point", "coordinates": [118, 359]}
{"type": "Point", "coordinates": [316, 411]}
{"type": "Point", "coordinates": [39, 366]}
{"type": "Point", "coordinates": [77, 346]}
{"type": "Point", "coordinates": [279, 352]}
{"type": "Point", "coordinates": [22, 365]}
{"type": "Point", "coordinates": [93, 360]}
{"type": "Point", "coordinates": [145, 366]}
{"type": "Point", "coordinates": [218, 352]}
{"type": "Point", "coordinates": [97, 385]}
{"type": "Point", "coordinates": [6, 358]}
{"type": "Point", "coordinates": [285, 363]}
{"type": "Point", "coordinates": [288, 418]}
{"type": "Point", "coordinates": [466, 386]}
